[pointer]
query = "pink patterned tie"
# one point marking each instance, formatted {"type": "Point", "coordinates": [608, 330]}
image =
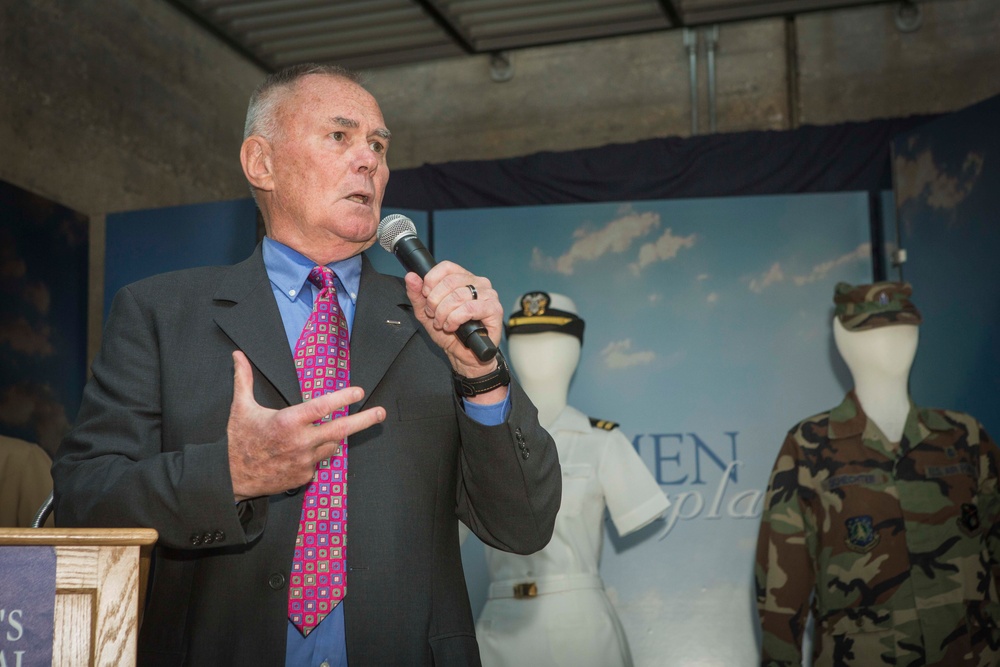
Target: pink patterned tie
{"type": "Point", "coordinates": [323, 364]}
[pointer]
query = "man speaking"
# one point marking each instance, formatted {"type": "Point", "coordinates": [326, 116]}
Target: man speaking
{"type": "Point", "coordinates": [291, 425]}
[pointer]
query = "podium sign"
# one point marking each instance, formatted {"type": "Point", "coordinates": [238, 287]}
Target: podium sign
{"type": "Point", "coordinates": [27, 605]}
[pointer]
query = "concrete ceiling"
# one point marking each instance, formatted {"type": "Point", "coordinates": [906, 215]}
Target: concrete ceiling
{"type": "Point", "coordinates": [367, 34]}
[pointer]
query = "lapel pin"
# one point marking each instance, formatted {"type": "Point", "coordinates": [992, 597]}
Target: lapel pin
{"type": "Point", "coordinates": [393, 322]}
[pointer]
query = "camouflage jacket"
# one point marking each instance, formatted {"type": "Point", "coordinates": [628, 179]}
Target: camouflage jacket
{"type": "Point", "coordinates": [895, 548]}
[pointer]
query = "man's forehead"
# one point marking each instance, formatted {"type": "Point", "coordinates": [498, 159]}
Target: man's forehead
{"type": "Point", "coordinates": [336, 87]}
{"type": "Point", "coordinates": [345, 105]}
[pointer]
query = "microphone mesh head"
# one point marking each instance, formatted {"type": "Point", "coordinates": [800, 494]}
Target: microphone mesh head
{"type": "Point", "coordinates": [392, 228]}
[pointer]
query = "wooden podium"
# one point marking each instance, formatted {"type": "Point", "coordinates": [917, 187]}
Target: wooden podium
{"type": "Point", "coordinates": [100, 585]}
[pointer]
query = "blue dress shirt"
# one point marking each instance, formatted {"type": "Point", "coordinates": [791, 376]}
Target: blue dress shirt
{"type": "Point", "coordinates": [288, 272]}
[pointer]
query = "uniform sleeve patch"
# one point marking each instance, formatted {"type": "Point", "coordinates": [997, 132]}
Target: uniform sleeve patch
{"type": "Point", "coordinates": [861, 535]}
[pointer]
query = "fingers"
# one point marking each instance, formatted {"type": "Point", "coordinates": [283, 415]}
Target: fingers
{"type": "Point", "coordinates": [330, 434]}
{"type": "Point", "coordinates": [310, 412]}
{"type": "Point", "coordinates": [452, 296]}
{"type": "Point", "coordinates": [322, 406]}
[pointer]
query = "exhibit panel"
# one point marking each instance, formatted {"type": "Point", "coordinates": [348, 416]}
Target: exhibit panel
{"type": "Point", "coordinates": [43, 316]}
{"type": "Point", "coordinates": [947, 182]}
{"type": "Point", "coordinates": [140, 244]}
{"type": "Point", "coordinates": [708, 336]}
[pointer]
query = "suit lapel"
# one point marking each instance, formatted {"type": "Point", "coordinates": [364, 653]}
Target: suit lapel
{"type": "Point", "coordinates": [254, 324]}
{"type": "Point", "coordinates": [383, 323]}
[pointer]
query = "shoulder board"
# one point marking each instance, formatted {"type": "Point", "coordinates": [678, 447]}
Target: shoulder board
{"type": "Point", "coordinates": [603, 424]}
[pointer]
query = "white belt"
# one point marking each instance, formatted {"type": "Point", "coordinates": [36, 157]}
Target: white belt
{"type": "Point", "coordinates": [529, 588]}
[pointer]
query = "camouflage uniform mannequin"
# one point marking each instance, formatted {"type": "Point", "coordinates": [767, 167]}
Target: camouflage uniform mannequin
{"type": "Point", "coordinates": [887, 522]}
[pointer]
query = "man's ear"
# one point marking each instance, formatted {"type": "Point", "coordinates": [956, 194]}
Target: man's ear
{"type": "Point", "coordinates": [255, 156]}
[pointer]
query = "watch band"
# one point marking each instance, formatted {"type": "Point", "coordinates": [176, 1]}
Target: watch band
{"type": "Point", "coordinates": [474, 386]}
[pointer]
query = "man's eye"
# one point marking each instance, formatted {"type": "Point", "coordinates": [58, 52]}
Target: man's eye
{"type": "Point", "coordinates": [337, 136]}
{"type": "Point", "coordinates": [377, 146]}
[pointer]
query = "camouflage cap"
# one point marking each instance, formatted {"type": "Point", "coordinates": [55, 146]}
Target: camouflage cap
{"type": "Point", "coordinates": [541, 311]}
{"type": "Point", "coordinates": [861, 307]}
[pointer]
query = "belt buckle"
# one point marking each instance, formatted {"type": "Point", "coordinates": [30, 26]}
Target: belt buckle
{"type": "Point", "coordinates": [527, 590]}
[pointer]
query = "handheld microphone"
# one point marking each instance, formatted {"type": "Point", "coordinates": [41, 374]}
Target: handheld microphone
{"type": "Point", "coordinates": [398, 235]}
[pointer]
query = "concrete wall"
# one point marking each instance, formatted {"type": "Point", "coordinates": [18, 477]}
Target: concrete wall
{"type": "Point", "coordinates": [580, 95]}
{"type": "Point", "coordinates": [855, 65]}
{"type": "Point", "coordinates": [112, 105]}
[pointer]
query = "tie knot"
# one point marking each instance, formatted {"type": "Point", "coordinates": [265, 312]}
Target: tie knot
{"type": "Point", "coordinates": [322, 277]}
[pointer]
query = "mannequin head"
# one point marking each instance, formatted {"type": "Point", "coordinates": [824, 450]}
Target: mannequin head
{"type": "Point", "coordinates": [884, 351]}
{"type": "Point", "coordinates": [875, 329]}
{"type": "Point", "coordinates": [544, 358]}
{"type": "Point", "coordinates": [544, 341]}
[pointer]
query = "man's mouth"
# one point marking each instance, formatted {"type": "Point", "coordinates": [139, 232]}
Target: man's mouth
{"type": "Point", "coordinates": [360, 198]}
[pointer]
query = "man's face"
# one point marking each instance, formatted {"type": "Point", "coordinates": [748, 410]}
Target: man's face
{"type": "Point", "coordinates": [329, 171]}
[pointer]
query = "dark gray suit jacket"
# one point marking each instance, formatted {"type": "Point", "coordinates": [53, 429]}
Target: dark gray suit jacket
{"type": "Point", "coordinates": [149, 449]}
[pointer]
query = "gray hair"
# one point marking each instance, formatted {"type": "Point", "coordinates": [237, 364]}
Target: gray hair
{"type": "Point", "coordinates": [266, 97]}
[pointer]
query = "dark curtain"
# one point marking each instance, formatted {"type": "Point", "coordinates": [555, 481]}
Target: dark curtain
{"type": "Point", "coordinates": [847, 157]}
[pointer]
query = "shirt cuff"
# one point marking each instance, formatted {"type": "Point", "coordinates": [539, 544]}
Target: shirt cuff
{"type": "Point", "coordinates": [491, 414]}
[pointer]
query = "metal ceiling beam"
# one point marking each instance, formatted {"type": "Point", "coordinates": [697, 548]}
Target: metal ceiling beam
{"type": "Point", "coordinates": [231, 10]}
{"type": "Point", "coordinates": [537, 21]}
{"type": "Point", "coordinates": [357, 41]}
{"type": "Point", "coordinates": [366, 59]}
{"type": "Point", "coordinates": [467, 8]}
{"type": "Point", "coordinates": [740, 11]}
{"type": "Point", "coordinates": [487, 13]}
{"type": "Point", "coordinates": [235, 10]}
{"type": "Point", "coordinates": [449, 25]}
{"type": "Point", "coordinates": [601, 18]}
{"type": "Point", "coordinates": [566, 36]}
{"type": "Point", "coordinates": [233, 43]}
{"type": "Point", "coordinates": [672, 14]}
{"type": "Point", "coordinates": [373, 11]}
{"type": "Point", "coordinates": [333, 28]}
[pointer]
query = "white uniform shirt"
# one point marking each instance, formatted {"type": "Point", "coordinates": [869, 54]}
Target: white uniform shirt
{"type": "Point", "coordinates": [571, 621]}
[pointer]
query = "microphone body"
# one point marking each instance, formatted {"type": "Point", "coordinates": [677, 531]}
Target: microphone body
{"type": "Point", "coordinates": [398, 235]}
{"type": "Point", "coordinates": [413, 255]}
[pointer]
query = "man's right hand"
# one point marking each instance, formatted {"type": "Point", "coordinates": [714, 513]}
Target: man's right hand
{"type": "Point", "coordinates": [274, 450]}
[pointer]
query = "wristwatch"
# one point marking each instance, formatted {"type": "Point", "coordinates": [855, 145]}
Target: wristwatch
{"type": "Point", "coordinates": [474, 386]}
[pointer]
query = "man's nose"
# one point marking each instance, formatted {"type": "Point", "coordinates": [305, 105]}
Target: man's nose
{"type": "Point", "coordinates": [367, 160]}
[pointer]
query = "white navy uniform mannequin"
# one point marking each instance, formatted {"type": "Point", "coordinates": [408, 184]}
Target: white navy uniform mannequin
{"type": "Point", "coordinates": [879, 360]}
{"type": "Point", "coordinates": [550, 608]}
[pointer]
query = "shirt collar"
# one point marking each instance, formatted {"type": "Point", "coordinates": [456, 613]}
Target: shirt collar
{"type": "Point", "coordinates": [288, 270]}
{"type": "Point", "coordinates": [849, 419]}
